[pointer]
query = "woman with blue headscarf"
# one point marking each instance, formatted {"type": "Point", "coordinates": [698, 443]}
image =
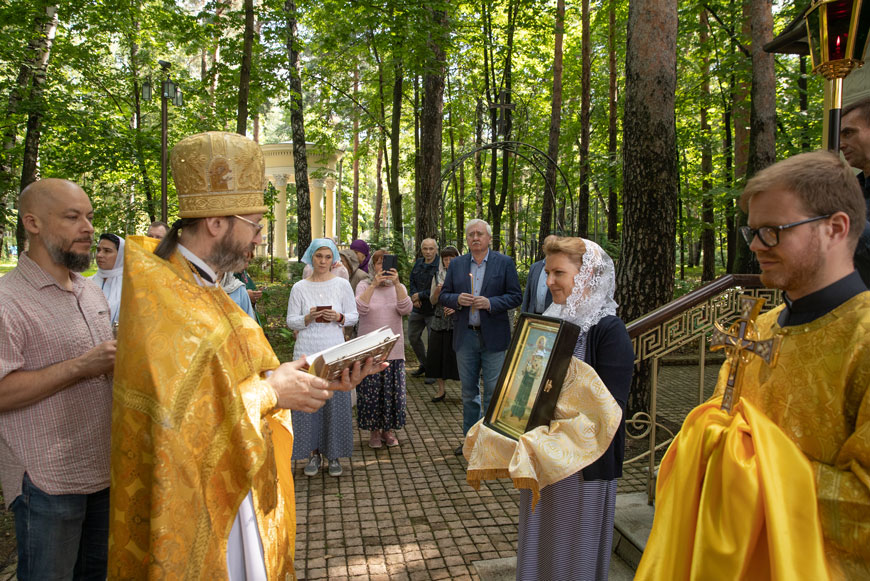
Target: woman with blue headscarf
{"type": "Point", "coordinates": [320, 307]}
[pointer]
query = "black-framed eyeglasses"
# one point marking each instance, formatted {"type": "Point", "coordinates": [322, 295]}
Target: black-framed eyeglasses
{"type": "Point", "coordinates": [769, 235]}
{"type": "Point", "coordinates": [257, 227]}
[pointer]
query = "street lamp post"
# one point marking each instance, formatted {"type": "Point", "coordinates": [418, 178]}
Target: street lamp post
{"type": "Point", "coordinates": [837, 32]}
{"type": "Point", "coordinates": [169, 91]}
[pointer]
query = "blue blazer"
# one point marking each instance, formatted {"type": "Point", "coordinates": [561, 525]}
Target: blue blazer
{"type": "Point", "coordinates": [530, 297]}
{"type": "Point", "coordinates": [501, 286]}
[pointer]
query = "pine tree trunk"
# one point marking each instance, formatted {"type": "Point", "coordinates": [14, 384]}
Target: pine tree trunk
{"type": "Point", "coordinates": [478, 166]}
{"type": "Point", "coordinates": [549, 200]}
{"type": "Point", "coordinates": [708, 241]}
{"type": "Point", "coordinates": [245, 71]}
{"type": "Point", "coordinates": [395, 132]}
{"type": "Point", "coordinates": [428, 203]}
{"type": "Point", "coordinates": [355, 218]}
{"type": "Point", "coordinates": [645, 271]}
{"type": "Point", "coordinates": [612, 113]}
{"type": "Point", "coordinates": [379, 189]}
{"type": "Point", "coordinates": [762, 115]}
{"type": "Point", "coordinates": [137, 118]}
{"type": "Point", "coordinates": [297, 123]}
{"type": "Point", "coordinates": [585, 98]}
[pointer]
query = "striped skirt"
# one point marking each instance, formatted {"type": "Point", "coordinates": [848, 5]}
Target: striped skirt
{"type": "Point", "coordinates": [569, 536]}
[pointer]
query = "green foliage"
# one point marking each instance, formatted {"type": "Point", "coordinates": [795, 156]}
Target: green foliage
{"type": "Point", "coordinates": [106, 49]}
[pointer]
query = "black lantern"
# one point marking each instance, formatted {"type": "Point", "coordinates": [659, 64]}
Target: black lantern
{"type": "Point", "coordinates": [146, 90]}
{"type": "Point", "coordinates": [837, 33]}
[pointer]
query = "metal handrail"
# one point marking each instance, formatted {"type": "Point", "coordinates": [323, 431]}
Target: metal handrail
{"type": "Point", "coordinates": [673, 325]}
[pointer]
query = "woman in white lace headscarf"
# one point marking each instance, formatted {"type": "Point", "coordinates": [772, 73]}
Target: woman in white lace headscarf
{"type": "Point", "coordinates": [570, 533]}
{"type": "Point", "coordinates": [110, 270]}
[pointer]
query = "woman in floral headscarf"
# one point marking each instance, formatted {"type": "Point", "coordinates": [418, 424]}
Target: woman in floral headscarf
{"type": "Point", "coordinates": [570, 533]}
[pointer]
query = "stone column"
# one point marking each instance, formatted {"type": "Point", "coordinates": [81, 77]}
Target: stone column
{"type": "Point", "coordinates": [315, 187]}
{"type": "Point", "coordinates": [330, 207]}
{"type": "Point", "coordinates": [279, 235]}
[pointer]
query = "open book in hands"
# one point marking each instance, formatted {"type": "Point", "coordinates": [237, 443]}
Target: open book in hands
{"type": "Point", "coordinates": [329, 363]}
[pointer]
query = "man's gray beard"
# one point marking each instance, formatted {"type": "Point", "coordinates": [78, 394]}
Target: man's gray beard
{"type": "Point", "coordinates": [72, 260]}
{"type": "Point", "coordinates": [229, 256]}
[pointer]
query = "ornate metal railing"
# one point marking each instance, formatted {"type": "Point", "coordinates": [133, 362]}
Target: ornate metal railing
{"type": "Point", "coordinates": [686, 319]}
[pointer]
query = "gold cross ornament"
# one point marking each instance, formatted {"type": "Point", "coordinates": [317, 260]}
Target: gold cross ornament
{"type": "Point", "coordinates": [740, 343]}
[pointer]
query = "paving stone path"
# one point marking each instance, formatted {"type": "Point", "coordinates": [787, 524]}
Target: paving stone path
{"type": "Point", "coordinates": [408, 513]}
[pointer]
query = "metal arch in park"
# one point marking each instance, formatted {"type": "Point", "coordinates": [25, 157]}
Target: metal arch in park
{"type": "Point", "coordinates": [535, 156]}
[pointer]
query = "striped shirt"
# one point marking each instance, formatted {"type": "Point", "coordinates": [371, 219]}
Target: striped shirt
{"type": "Point", "coordinates": [62, 441]}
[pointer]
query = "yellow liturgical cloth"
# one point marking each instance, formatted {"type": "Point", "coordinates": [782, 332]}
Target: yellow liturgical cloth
{"type": "Point", "coordinates": [193, 428]}
{"type": "Point", "coordinates": [735, 499]}
{"type": "Point", "coordinates": [585, 421]}
{"type": "Point", "coordinates": [799, 447]}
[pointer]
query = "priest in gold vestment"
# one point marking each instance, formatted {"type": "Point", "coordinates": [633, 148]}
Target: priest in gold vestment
{"type": "Point", "coordinates": [780, 488]}
{"type": "Point", "coordinates": [201, 482]}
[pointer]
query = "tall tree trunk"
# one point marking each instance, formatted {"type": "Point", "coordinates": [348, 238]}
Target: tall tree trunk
{"type": "Point", "coordinates": [478, 166]}
{"type": "Point", "coordinates": [803, 101]}
{"type": "Point", "coordinates": [297, 122]}
{"type": "Point", "coordinates": [708, 241]}
{"type": "Point", "coordinates": [460, 208]}
{"type": "Point", "coordinates": [496, 207]}
{"type": "Point", "coordinates": [585, 91]}
{"type": "Point", "coordinates": [728, 178]}
{"type": "Point", "coordinates": [418, 172]}
{"type": "Point", "coordinates": [38, 49]}
{"type": "Point", "coordinates": [379, 189]}
{"type": "Point", "coordinates": [762, 115]}
{"type": "Point", "coordinates": [612, 113]}
{"type": "Point", "coordinates": [355, 218]}
{"type": "Point", "coordinates": [549, 201]}
{"type": "Point", "coordinates": [645, 271]}
{"type": "Point", "coordinates": [30, 159]}
{"type": "Point", "coordinates": [395, 132]}
{"type": "Point", "coordinates": [139, 144]}
{"type": "Point", "coordinates": [245, 72]}
{"type": "Point", "coordinates": [428, 203]}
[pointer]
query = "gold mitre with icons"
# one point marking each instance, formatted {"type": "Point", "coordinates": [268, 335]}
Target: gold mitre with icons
{"type": "Point", "coordinates": [218, 174]}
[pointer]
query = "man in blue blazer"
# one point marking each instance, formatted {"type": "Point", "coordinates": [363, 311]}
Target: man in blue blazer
{"type": "Point", "coordinates": [481, 286]}
{"type": "Point", "coordinates": [537, 296]}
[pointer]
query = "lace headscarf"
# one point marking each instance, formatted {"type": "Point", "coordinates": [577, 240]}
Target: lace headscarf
{"type": "Point", "coordinates": [591, 298]}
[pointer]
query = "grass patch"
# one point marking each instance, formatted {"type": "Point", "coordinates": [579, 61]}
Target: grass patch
{"type": "Point", "coordinates": [272, 309]}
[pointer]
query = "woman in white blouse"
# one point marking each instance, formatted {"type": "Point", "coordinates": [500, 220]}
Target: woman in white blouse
{"type": "Point", "coordinates": [320, 307]}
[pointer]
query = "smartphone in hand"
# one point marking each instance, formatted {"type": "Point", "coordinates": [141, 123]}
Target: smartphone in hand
{"type": "Point", "coordinates": [390, 262]}
{"type": "Point", "coordinates": [319, 318]}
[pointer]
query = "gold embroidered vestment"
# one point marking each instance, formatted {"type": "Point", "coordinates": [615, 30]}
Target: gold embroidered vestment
{"type": "Point", "coordinates": [815, 400]}
{"type": "Point", "coordinates": [194, 428]}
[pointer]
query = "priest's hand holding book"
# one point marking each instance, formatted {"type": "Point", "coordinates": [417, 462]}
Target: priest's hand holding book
{"type": "Point", "coordinates": [297, 389]}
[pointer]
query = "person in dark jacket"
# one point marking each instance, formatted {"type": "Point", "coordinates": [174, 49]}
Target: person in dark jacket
{"type": "Point", "coordinates": [421, 281]}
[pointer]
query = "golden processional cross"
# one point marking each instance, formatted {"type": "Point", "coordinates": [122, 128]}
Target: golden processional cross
{"type": "Point", "coordinates": [739, 343]}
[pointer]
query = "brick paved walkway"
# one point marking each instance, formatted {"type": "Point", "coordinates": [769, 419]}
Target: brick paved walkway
{"type": "Point", "coordinates": [405, 512]}
{"type": "Point", "coordinates": [408, 513]}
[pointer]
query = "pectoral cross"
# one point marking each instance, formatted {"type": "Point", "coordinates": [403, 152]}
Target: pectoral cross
{"type": "Point", "coordinates": [739, 343]}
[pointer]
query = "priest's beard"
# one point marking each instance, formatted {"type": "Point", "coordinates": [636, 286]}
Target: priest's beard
{"type": "Point", "coordinates": [73, 261]}
{"type": "Point", "coordinates": [229, 255]}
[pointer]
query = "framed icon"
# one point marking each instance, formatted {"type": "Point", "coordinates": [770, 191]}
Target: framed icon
{"type": "Point", "coordinates": [532, 375]}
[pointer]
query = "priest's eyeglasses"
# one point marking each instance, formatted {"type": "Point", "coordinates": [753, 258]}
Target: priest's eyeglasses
{"type": "Point", "coordinates": [769, 235]}
{"type": "Point", "coordinates": [257, 227]}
